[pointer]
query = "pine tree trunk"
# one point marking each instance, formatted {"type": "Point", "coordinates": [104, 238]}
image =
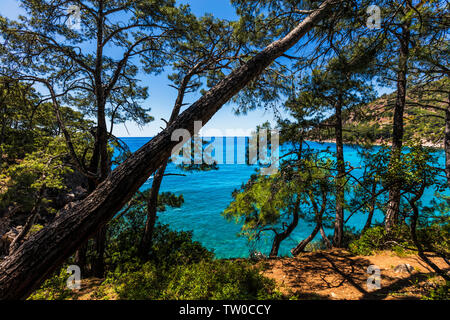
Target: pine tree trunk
{"type": "Point", "coordinates": [318, 217]}
{"type": "Point", "coordinates": [372, 209]}
{"type": "Point", "coordinates": [275, 246]}
{"type": "Point", "coordinates": [340, 178]}
{"type": "Point", "coordinates": [392, 212]}
{"type": "Point", "coordinates": [302, 245]}
{"type": "Point", "coordinates": [447, 141]}
{"type": "Point", "coordinates": [80, 258]}
{"type": "Point", "coordinates": [152, 202]}
{"type": "Point", "coordinates": [98, 265]}
{"type": "Point", "coordinates": [152, 206]}
{"type": "Point", "coordinates": [325, 238]}
{"type": "Point", "coordinates": [279, 237]}
{"type": "Point", "coordinates": [37, 258]}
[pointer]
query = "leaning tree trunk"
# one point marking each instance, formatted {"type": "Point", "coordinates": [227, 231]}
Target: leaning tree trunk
{"type": "Point", "coordinates": [325, 239]}
{"type": "Point", "coordinates": [319, 216]}
{"type": "Point", "coordinates": [397, 133]}
{"type": "Point", "coordinates": [279, 237]}
{"type": "Point", "coordinates": [302, 245]}
{"type": "Point", "coordinates": [340, 178]}
{"type": "Point", "coordinates": [37, 258]}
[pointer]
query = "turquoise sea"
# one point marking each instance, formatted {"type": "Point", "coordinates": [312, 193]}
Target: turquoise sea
{"type": "Point", "coordinates": [207, 194]}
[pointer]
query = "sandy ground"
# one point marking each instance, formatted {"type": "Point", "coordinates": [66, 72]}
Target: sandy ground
{"type": "Point", "coordinates": [337, 275]}
{"type": "Point", "coordinates": [330, 274]}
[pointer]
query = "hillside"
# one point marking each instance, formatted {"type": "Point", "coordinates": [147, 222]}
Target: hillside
{"type": "Point", "coordinates": [325, 274]}
{"type": "Point", "coordinates": [338, 275]}
{"type": "Point", "coordinates": [424, 118]}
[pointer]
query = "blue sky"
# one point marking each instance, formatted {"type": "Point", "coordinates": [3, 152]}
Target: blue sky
{"type": "Point", "coordinates": [162, 97]}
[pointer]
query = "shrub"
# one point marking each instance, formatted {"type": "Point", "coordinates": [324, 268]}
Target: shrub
{"type": "Point", "coordinates": [375, 239]}
{"type": "Point", "coordinates": [136, 282]}
{"type": "Point", "coordinates": [203, 280]}
{"type": "Point", "coordinates": [177, 268]}
{"type": "Point", "coordinates": [55, 288]}
{"type": "Point", "coordinates": [168, 248]}
{"type": "Point", "coordinates": [371, 240]}
{"type": "Point", "coordinates": [442, 292]}
{"type": "Point", "coordinates": [176, 247]}
{"type": "Point", "coordinates": [219, 280]}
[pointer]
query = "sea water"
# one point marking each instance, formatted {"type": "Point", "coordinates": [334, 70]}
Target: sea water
{"type": "Point", "coordinates": [207, 194]}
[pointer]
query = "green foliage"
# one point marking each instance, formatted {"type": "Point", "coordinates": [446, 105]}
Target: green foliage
{"type": "Point", "coordinates": [268, 202]}
{"type": "Point", "coordinates": [220, 280]}
{"type": "Point", "coordinates": [55, 288]}
{"type": "Point", "coordinates": [432, 237]}
{"type": "Point", "coordinates": [172, 248]}
{"type": "Point", "coordinates": [40, 169]}
{"type": "Point", "coordinates": [180, 268]}
{"type": "Point", "coordinates": [442, 292]}
{"type": "Point", "coordinates": [166, 199]}
{"type": "Point", "coordinates": [372, 122]}
{"type": "Point", "coordinates": [204, 280]}
{"type": "Point", "coordinates": [434, 233]}
{"type": "Point", "coordinates": [375, 239]}
{"type": "Point", "coordinates": [370, 241]}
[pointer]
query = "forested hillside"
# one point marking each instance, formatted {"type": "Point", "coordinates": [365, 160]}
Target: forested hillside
{"type": "Point", "coordinates": [371, 123]}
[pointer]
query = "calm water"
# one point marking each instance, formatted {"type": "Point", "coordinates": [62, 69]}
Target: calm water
{"type": "Point", "coordinates": [207, 194]}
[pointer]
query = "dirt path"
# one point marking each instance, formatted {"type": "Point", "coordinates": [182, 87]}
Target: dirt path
{"type": "Point", "coordinates": [335, 274]}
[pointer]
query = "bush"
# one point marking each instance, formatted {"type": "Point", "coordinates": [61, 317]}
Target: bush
{"type": "Point", "coordinates": [440, 293]}
{"type": "Point", "coordinates": [168, 248]}
{"type": "Point", "coordinates": [135, 282]}
{"type": "Point", "coordinates": [375, 239]}
{"type": "Point", "coordinates": [206, 280]}
{"type": "Point", "coordinates": [371, 240]}
{"type": "Point", "coordinates": [55, 288]}
{"type": "Point", "coordinates": [176, 247]}
{"type": "Point", "coordinates": [177, 268]}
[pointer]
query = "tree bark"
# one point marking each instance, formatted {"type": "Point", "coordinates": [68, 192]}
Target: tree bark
{"type": "Point", "coordinates": [98, 265]}
{"type": "Point", "coordinates": [80, 257]}
{"type": "Point", "coordinates": [279, 237]}
{"type": "Point", "coordinates": [37, 258]}
{"type": "Point", "coordinates": [372, 208]}
{"type": "Point", "coordinates": [397, 134]}
{"type": "Point", "coordinates": [302, 245]}
{"type": "Point", "coordinates": [340, 178]}
{"type": "Point", "coordinates": [152, 206]}
{"type": "Point", "coordinates": [447, 141]}
{"type": "Point", "coordinates": [318, 215]}
{"type": "Point", "coordinates": [325, 238]}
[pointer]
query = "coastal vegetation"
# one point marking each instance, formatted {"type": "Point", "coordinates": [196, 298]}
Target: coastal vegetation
{"type": "Point", "coordinates": [71, 192]}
